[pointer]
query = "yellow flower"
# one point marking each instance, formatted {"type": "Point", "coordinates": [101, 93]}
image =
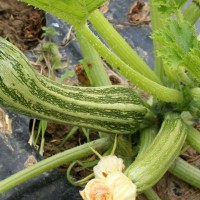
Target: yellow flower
{"type": "Point", "coordinates": [122, 187]}
{"type": "Point", "coordinates": [107, 165]}
{"type": "Point", "coordinates": [96, 190]}
{"type": "Point", "coordinates": [116, 186]}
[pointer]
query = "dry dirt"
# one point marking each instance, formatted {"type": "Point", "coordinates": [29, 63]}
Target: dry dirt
{"type": "Point", "coordinates": [20, 24]}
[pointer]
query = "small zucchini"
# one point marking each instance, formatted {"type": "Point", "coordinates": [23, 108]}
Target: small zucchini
{"type": "Point", "coordinates": [150, 167]}
{"type": "Point", "coordinates": [112, 109]}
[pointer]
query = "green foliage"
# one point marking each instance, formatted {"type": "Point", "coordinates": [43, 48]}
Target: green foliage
{"type": "Point", "coordinates": [49, 32]}
{"type": "Point", "coordinates": [51, 55]}
{"type": "Point", "coordinates": [197, 2]}
{"type": "Point", "coordinates": [177, 39]}
{"type": "Point", "coordinates": [168, 6]}
{"type": "Point", "coordinates": [192, 62]}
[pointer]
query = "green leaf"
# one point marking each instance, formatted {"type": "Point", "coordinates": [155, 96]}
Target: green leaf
{"type": "Point", "coordinates": [51, 48]}
{"type": "Point", "coordinates": [197, 2]}
{"type": "Point", "coordinates": [192, 63]}
{"type": "Point", "coordinates": [180, 35]}
{"type": "Point", "coordinates": [49, 32]}
{"type": "Point", "coordinates": [168, 6]}
{"type": "Point", "coordinates": [177, 39]}
{"type": "Point", "coordinates": [74, 12]}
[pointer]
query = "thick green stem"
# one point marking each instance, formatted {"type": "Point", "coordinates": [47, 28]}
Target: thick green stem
{"type": "Point", "coordinates": [192, 12]}
{"type": "Point", "coordinates": [53, 162]}
{"type": "Point", "coordinates": [153, 88]}
{"type": "Point", "coordinates": [157, 22]}
{"type": "Point", "coordinates": [92, 62]}
{"type": "Point", "coordinates": [120, 46]}
{"type": "Point", "coordinates": [193, 138]}
{"type": "Point", "coordinates": [186, 172]}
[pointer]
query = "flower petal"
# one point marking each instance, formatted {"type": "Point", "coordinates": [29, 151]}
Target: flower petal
{"type": "Point", "coordinates": [121, 185]}
{"type": "Point", "coordinates": [96, 190]}
{"type": "Point", "coordinates": [107, 165]}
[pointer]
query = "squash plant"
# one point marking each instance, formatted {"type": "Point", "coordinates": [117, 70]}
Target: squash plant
{"type": "Point", "coordinates": [163, 122]}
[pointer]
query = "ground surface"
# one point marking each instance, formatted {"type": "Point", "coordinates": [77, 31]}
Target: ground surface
{"type": "Point", "coordinates": [22, 25]}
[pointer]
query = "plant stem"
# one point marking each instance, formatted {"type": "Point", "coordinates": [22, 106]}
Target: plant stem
{"type": "Point", "coordinates": [86, 132]}
{"type": "Point", "coordinates": [93, 64]}
{"type": "Point", "coordinates": [53, 162]}
{"type": "Point", "coordinates": [120, 46]}
{"type": "Point", "coordinates": [193, 138]}
{"type": "Point", "coordinates": [151, 194]}
{"type": "Point", "coordinates": [69, 135]}
{"type": "Point", "coordinates": [157, 22]}
{"type": "Point", "coordinates": [32, 137]}
{"type": "Point", "coordinates": [185, 171]}
{"type": "Point", "coordinates": [192, 12]}
{"type": "Point", "coordinates": [162, 93]}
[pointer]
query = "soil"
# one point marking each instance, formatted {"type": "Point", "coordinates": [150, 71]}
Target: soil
{"type": "Point", "coordinates": [55, 135]}
{"type": "Point", "coordinates": [22, 25]}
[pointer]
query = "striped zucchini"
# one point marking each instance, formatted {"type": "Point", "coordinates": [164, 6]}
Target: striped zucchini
{"type": "Point", "coordinates": [112, 109]}
{"type": "Point", "coordinates": [150, 167]}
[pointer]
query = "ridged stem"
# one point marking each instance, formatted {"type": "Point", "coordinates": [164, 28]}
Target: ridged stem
{"type": "Point", "coordinates": [186, 172]}
{"type": "Point", "coordinates": [162, 93]}
{"type": "Point", "coordinates": [93, 64]}
{"type": "Point", "coordinates": [53, 162]}
{"type": "Point", "coordinates": [192, 12]}
{"type": "Point", "coordinates": [120, 46]}
{"type": "Point", "coordinates": [157, 22]}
